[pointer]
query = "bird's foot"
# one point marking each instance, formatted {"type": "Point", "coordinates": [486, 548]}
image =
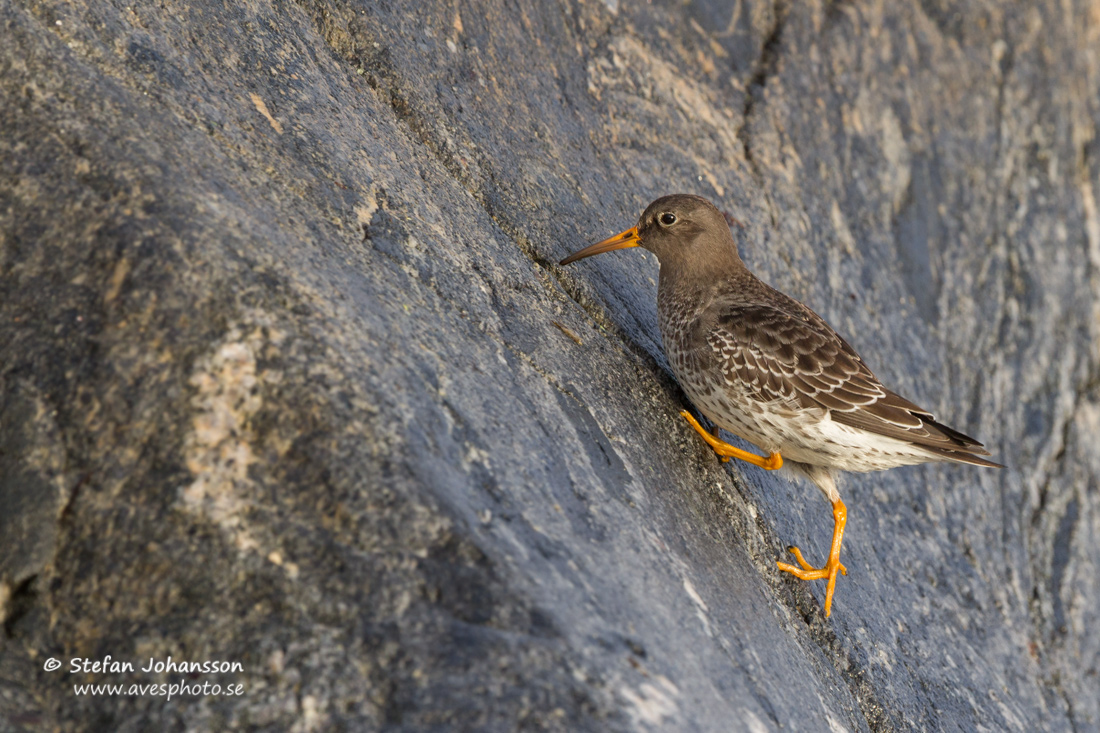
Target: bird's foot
{"type": "Point", "coordinates": [832, 567]}
{"type": "Point", "coordinates": [726, 451]}
{"type": "Point", "coordinates": [808, 572]}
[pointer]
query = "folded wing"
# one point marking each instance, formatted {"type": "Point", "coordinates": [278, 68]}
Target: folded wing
{"type": "Point", "coordinates": [791, 356]}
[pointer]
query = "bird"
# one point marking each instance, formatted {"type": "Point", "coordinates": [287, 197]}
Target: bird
{"type": "Point", "coordinates": [764, 367]}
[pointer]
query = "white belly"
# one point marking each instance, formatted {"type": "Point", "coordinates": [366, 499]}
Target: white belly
{"type": "Point", "coordinates": [805, 436]}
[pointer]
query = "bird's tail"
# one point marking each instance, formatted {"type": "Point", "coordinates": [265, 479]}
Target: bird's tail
{"type": "Point", "coordinates": [962, 448]}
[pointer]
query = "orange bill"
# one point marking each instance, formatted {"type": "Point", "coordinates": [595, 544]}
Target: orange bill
{"type": "Point", "coordinates": [622, 240]}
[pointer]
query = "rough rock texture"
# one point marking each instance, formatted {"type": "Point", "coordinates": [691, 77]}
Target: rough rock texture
{"type": "Point", "coordinates": [289, 377]}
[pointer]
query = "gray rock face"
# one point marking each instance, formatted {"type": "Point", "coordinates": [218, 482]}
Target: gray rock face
{"type": "Point", "coordinates": [289, 377]}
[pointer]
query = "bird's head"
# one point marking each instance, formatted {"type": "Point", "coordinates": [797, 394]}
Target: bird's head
{"type": "Point", "coordinates": [681, 230]}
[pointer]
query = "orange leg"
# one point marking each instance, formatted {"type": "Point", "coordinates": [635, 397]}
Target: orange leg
{"type": "Point", "coordinates": [727, 451]}
{"type": "Point", "coordinates": [808, 572]}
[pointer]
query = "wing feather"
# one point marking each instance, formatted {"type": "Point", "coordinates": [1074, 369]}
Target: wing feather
{"type": "Point", "coordinates": [791, 357]}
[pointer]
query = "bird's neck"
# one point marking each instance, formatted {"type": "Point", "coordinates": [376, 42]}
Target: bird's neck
{"type": "Point", "coordinates": [682, 296]}
{"type": "Point", "coordinates": [696, 279]}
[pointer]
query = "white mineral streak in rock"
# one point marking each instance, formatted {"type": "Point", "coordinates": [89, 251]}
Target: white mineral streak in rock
{"type": "Point", "coordinates": [650, 703]}
{"type": "Point", "coordinates": [219, 449]}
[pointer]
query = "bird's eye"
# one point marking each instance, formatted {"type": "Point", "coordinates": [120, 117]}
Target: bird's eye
{"type": "Point", "coordinates": [668, 219]}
